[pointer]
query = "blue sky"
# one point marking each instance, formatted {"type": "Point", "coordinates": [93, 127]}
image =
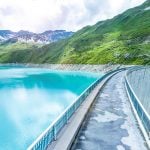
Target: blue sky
{"type": "Point", "coordinates": [41, 15]}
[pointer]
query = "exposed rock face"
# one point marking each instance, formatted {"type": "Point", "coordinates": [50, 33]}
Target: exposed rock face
{"type": "Point", "coordinates": [26, 36]}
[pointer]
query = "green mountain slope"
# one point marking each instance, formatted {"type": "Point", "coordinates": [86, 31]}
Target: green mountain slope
{"type": "Point", "coordinates": [125, 39]}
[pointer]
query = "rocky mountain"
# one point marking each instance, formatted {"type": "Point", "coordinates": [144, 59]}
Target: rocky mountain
{"type": "Point", "coordinates": [30, 37]}
{"type": "Point", "coordinates": [124, 39]}
{"type": "Point", "coordinates": [5, 34]}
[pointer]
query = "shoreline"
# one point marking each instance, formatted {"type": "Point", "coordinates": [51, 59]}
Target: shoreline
{"type": "Point", "coordinates": [104, 68]}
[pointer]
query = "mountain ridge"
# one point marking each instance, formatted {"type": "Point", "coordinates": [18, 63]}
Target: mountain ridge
{"type": "Point", "coordinates": [31, 37]}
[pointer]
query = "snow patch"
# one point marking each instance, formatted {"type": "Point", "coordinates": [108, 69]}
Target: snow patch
{"type": "Point", "coordinates": [1, 38]}
{"type": "Point", "coordinates": [107, 117]}
{"type": "Point", "coordinates": [120, 147]}
{"type": "Point", "coordinates": [147, 40]}
{"type": "Point", "coordinates": [104, 95]}
{"type": "Point", "coordinates": [134, 139]}
{"type": "Point", "coordinates": [148, 8]}
{"type": "Point", "coordinates": [82, 137]}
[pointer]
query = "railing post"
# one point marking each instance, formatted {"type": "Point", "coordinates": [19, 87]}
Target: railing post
{"type": "Point", "coordinates": [66, 117]}
{"type": "Point", "coordinates": [54, 130]}
{"type": "Point", "coordinates": [75, 106]}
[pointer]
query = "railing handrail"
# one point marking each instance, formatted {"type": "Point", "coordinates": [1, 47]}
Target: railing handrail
{"type": "Point", "coordinates": [140, 112]}
{"type": "Point", "coordinates": [132, 69]}
{"type": "Point", "coordinates": [53, 123]}
{"type": "Point", "coordinates": [126, 78]}
{"type": "Point", "coordinates": [70, 106]}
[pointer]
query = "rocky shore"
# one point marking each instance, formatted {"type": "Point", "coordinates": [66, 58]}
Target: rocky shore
{"type": "Point", "coordinates": [75, 67]}
{"type": "Point", "coordinates": [79, 67]}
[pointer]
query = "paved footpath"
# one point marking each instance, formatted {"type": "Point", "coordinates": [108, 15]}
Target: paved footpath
{"type": "Point", "coordinates": [110, 125]}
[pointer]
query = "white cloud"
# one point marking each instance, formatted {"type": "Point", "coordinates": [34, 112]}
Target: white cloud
{"type": "Point", "coordinates": [41, 15]}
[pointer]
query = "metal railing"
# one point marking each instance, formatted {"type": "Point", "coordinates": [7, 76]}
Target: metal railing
{"type": "Point", "coordinates": [51, 133]}
{"type": "Point", "coordinates": [138, 87]}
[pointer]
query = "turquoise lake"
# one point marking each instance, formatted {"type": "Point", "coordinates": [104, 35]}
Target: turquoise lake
{"type": "Point", "coordinates": [32, 98]}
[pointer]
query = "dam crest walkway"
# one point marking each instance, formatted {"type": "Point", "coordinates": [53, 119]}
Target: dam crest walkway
{"type": "Point", "coordinates": [110, 124]}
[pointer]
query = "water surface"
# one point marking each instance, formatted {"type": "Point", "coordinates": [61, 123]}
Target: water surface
{"type": "Point", "coordinates": [31, 98]}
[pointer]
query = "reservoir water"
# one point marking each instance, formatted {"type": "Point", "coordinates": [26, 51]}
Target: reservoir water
{"type": "Point", "coordinates": [31, 98]}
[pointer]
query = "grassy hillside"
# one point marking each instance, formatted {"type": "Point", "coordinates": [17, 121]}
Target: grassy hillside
{"type": "Point", "coordinates": [124, 39]}
{"type": "Point", "coordinates": [9, 47]}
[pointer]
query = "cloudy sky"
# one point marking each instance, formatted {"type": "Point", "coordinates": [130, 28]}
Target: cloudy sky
{"type": "Point", "coordinates": [41, 15]}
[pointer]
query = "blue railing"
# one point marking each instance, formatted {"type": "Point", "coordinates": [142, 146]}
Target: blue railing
{"type": "Point", "coordinates": [51, 133]}
{"type": "Point", "coordinates": [137, 103]}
